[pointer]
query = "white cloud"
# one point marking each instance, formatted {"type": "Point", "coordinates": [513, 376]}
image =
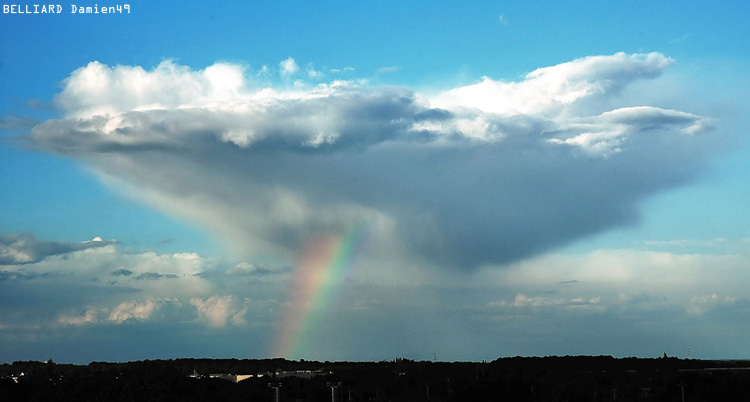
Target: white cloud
{"type": "Point", "coordinates": [98, 89]}
{"type": "Point", "coordinates": [389, 69]}
{"type": "Point", "coordinates": [313, 73]}
{"type": "Point", "coordinates": [242, 268]}
{"type": "Point", "coordinates": [341, 70]}
{"type": "Point", "coordinates": [125, 312]}
{"type": "Point", "coordinates": [522, 300]}
{"type": "Point", "coordinates": [151, 310]}
{"type": "Point", "coordinates": [264, 71]}
{"type": "Point", "coordinates": [133, 310]}
{"type": "Point", "coordinates": [288, 66]}
{"type": "Point", "coordinates": [592, 303]}
{"type": "Point", "coordinates": [473, 175]}
{"type": "Point", "coordinates": [604, 134]}
{"type": "Point", "coordinates": [220, 311]}
{"type": "Point", "coordinates": [548, 90]}
{"type": "Point", "coordinates": [246, 268]}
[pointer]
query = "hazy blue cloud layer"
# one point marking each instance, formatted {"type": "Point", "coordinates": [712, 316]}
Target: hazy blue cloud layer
{"type": "Point", "coordinates": [620, 302]}
{"type": "Point", "coordinates": [487, 173]}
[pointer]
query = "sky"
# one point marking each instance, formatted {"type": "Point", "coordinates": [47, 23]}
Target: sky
{"type": "Point", "coordinates": [339, 180]}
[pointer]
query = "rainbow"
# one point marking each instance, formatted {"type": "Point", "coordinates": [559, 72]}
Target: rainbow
{"type": "Point", "coordinates": [320, 270]}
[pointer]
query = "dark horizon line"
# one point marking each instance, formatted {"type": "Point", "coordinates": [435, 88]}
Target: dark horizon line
{"type": "Point", "coordinates": [392, 360]}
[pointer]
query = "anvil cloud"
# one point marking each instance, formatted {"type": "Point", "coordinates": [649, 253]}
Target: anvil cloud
{"type": "Point", "coordinates": [487, 173]}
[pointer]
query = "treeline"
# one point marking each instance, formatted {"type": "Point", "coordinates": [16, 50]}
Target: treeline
{"type": "Point", "coordinates": [515, 379]}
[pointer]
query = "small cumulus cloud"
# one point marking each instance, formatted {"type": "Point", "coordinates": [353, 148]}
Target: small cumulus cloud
{"type": "Point", "coordinates": [341, 70]}
{"type": "Point", "coordinates": [288, 66]}
{"type": "Point", "coordinates": [264, 71]}
{"type": "Point", "coordinates": [248, 269]}
{"type": "Point", "coordinates": [220, 311]}
{"type": "Point", "coordinates": [313, 73]}
{"type": "Point", "coordinates": [132, 310]}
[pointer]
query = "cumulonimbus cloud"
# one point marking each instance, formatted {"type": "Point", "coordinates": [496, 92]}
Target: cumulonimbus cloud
{"type": "Point", "coordinates": [491, 172]}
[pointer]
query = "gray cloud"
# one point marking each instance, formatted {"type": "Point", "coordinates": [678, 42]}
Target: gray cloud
{"type": "Point", "coordinates": [16, 121]}
{"type": "Point", "coordinates": [122, 272]}
{"type": "Point", "coordinates": [25, 248]}
{"type": "Point", "coordinates": [151, 276]}
{"type": "Point", "coordinates": [488, 173]}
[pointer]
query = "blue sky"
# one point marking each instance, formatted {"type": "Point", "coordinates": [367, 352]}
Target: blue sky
{"type": "Point", "coordinates": [536, 178]}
